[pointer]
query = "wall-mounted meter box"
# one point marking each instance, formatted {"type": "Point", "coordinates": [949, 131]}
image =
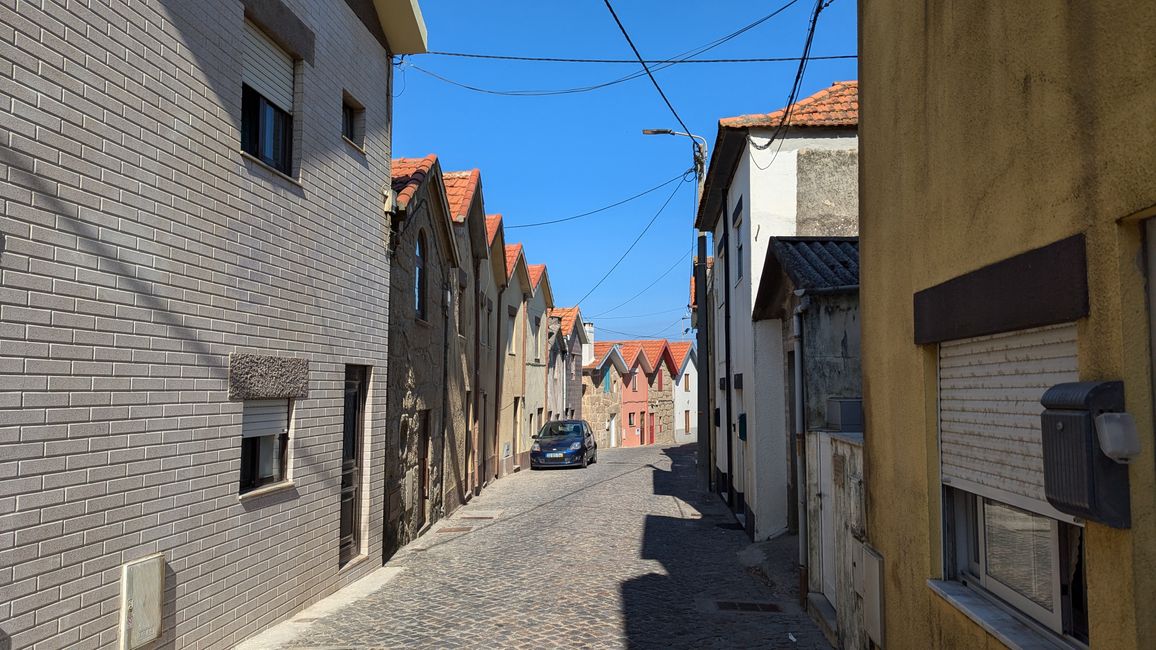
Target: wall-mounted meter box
{"type": "Point", "coordinates": [1079, 478]}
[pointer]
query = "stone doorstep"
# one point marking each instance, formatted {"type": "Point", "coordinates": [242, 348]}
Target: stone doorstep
{"type": "Point", "coordinates": [287, 631]}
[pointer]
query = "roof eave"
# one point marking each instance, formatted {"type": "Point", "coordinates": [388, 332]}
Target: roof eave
{"type": "Point", "coordinates": [403, 25]}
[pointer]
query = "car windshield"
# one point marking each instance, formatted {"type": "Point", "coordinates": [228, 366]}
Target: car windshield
{"type": "Point", "coordinates": [561, 430]}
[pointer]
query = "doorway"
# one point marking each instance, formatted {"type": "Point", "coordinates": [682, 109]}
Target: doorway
{"type": "Point", "coordinates": [349, 545]}
{"type": "Point", "coordinates": [613, 431]}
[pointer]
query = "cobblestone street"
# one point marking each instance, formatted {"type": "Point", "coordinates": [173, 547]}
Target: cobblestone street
{"type": "Point", "coordinates": [622, 554]}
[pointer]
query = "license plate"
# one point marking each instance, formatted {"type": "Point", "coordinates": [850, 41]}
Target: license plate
{"type": "Point", "coordinates": [554, 455]}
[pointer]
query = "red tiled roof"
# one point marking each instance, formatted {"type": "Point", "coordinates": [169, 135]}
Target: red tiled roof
{"type": "Point", "coordinates": [601, 349]}
{"type": "Point", "coordinates": [654, 350]}
{"type": "Point", "coordinates": [408, 174]}
{"type": "Point", "coordinates": [837, 105]}
{"type": "Point", "coordinates": [536, 273]}
{"type": "Point", "coordinates": [569, 316]}
{"type": "Point", "coordinates": [493, 222]}
{"type": "Point", "coordinates": [512, 253]}
{"type": "Point", "coordinates": [679, 350]}
{"type": "Point", "coordinates": [460, 189]}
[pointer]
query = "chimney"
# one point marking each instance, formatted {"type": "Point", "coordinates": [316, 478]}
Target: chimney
{"type": "Point", "coordinates": [588, 348]}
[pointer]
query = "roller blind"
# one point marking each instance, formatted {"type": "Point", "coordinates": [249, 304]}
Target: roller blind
{"type": "Point", "coordinates": [989, 410]}
{"type": "Point", "coordinates": [267, 68]}
{"type": "Point", "coordinates": [265, 418]}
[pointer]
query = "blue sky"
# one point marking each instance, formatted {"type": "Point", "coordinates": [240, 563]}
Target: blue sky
{"type": "Point", "coordinates": [550, 157]}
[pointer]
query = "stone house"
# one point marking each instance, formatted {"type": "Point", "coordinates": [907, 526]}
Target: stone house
{"type": "Point", "coordinates": [538, 306]}
{"type": "Point", "coordinates": [602, 383]}
{"type": "Point", "coordinates": [995, 269]}
{"type": "Point", "coordinates": [467, 211]}
{"type": "Point", "coordinates": [660, 393]}
{"type": "Point", "coordinates": [685, 389]}
{"type": "Point", "coordinates": [804, 183]}
{"type": "Point", "coordinates": [492, 281]}
{"type": "Point", "coordinates": [513, 330]}
{"type": "Point", "coordinates": [425, 375]}
{"type": "Point", "coordinates": [187, 406]}
{"type": "Point", "coordinates": [564, 368]}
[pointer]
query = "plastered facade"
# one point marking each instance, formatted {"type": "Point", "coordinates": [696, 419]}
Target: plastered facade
{"type": "Point", "coordinates": [938, 202]}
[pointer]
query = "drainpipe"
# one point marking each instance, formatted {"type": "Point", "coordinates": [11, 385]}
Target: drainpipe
{"type": "Point", "coordinates": [446, 334]}
{"type": "Point", "coordinates": [727, 362]}
{"type": "Point", "coordinates": [800, 446]}
{"type": "Point", "coordinates": [704, 358]}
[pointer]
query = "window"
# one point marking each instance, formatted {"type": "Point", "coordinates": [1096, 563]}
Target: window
{"type": "Point", "coordinates": [511, 323]}
{"type": "Point", "coordinates": [659, 379]}
{"type": "Point", "coordinates": [630, 417]}
{"type": "Point", "coordinates": [739, 251]}
{"type": "Point", "coordinates": [264, 443]}
{"type": "Point", "coordinates": [266, 131]}
{"type": "Point", "coordinates": [606, 379]}
{"type": "Point", "coordinates": [268, 76]}
{"type": "Point", "coordinates": [537, 338]}
{"type": "Point", "coordinates": [352, 121]}
{"type": "Point", "coordinates": [634, 381]}
{"type": "Point", "coordinates": [686, 383]}
{"type": "Point", "coordinates": [686, 420]}
{"type": "Point", "coordinates": [1031, 562]}
{"type": "Point", "coordinates": [419, 277]}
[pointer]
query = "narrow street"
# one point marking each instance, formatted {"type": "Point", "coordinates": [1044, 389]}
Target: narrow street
{"type": "Point", "coordinates": [622, 554]}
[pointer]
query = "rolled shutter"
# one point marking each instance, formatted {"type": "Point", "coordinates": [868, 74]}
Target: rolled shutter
{"type": "Point", "coordinates": [265, 418]}
{"type": "Point", "coordinates": [989, 411]}
{"type": "Point", "coordinates": [267, 68]}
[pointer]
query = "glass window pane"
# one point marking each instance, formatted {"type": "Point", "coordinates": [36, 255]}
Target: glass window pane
{"type": "Point", "coordinates": [1019, 551]}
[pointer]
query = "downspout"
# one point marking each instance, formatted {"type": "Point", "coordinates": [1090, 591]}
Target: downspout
{"type": "Point", "coordinates": [800, 446]}
{"type": "Point", "coordinates": [446, 334]}
{"type": "Point", "coordinates": [704, 361]}
{"type": "Point", "coordinates": [727, 362]}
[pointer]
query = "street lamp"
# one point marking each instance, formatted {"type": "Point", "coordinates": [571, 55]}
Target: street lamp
{"type": "Point", "coordinates": [705, 460]}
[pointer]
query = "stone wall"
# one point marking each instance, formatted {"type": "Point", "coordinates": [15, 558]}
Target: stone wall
{"type": "Point", "coordinates": [599, 407]}
{"type": "Point", "coordinates": [140, 250]}
{"type": "Point", "coordinates": [660, 402]}
{"type": "Point", "coordinates": [418, 376]}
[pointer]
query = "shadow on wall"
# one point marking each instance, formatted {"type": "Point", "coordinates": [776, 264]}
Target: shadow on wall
{"type": "Point", "coordinates": [5, 640]}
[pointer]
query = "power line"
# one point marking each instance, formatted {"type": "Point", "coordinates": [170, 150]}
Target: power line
{"type": "Point", "coordinates": [656, 335]}
{"type": "Point", "coordinates": [682, 56]}
{"type": "Point", "coordinates": [793, 96]}
{"type": "Point", "coordinates": [554, 59]}
{"type": "Point", "coordinates": [632, 245]}
{"type": "Point", "coordinates": [654, 313]}
{"type": "Point", "coordinates": [604, 208]}
{"type": "Point", "coordinates": [647, 287]}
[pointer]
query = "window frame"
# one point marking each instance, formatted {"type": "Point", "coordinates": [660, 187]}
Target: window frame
{"type": "Point", "coordinates": [256, 109]}
{"type": "Point", "coordinates": [249, 479]}
{"type": "Point", "coordinates": [420, 279]}
{"type": "Point", "coordinates": [353, 121]}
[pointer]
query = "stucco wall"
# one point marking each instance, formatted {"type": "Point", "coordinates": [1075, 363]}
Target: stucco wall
{"type": "Point", "coordinates": [463, 325]}
{"type": "Point", "coordinates": [556, 371]}
{"type": "Point", "coordinates": [831, 353]}
{"type": "Point", "coordinates": [536, 360]}
{"type": "Point", "coordinates": [634, 402]}
{"type": "Point", "coordinates": [685, 400]}
{"type": "Point", "coordinates": [1047, 144]}
{"type": "Point", "coordinates": [513, 370]}
{"type": "Point", "coordinates": [492, 356]}
{"type": "Point", "coordinates": [141, 249]}
{"type": "Point", "coordinates": [827, 192]}
{"type": "Point", "coordinates": [573, 373]}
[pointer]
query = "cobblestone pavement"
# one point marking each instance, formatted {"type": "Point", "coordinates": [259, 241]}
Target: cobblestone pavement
{"type": "Point", "coordinates": [622, 554]}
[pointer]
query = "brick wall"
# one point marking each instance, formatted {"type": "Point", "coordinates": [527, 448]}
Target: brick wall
{"type": "Point", "coordinates": [140, 249]}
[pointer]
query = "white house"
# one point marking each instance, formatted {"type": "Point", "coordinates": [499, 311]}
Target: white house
{"type": "Point", "coordinates": [802, 181]}
{"type": "Point", "coordinates": [685, 387]}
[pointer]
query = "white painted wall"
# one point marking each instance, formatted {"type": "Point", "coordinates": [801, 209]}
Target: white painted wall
{"type": "Point", "coordinates": [686, 401]}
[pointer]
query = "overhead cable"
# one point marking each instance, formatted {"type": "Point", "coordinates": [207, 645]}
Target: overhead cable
{"type": "Point", "coordinates": [554, 59]}
{"type": "Point", "coordinates": [603, 208]}
{"type": "Point", "coordinates": [647, 287]}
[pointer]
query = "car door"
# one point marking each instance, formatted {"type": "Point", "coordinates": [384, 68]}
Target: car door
{"type": "Point", "coordinates": [590, 444]}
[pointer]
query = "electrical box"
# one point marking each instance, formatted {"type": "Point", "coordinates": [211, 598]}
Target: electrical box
{"type": "Point", "coordinates": [738, 380]}
{"type": "Point", "coordinates": [722, 383]}
{"type": "Point", "coordinates": [867, 579]}
{"type": "Point", "coordinates": [1079, 478]}
{"type": "Point", "coordinates": [142, 588]}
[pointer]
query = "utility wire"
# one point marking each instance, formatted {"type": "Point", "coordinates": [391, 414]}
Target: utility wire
{"type": "Point", "coordinates": [602, 209]}
{"type": "Point", "coordinates": [647, 287]}
{"type": "Point", "coordinates": [554, 59]}
{"type": "Point", "coordinates": [683, 56]}
{"type": "Point", "coordinates": [638, 55]}
{"type": "Point", "coordinates": [653, 313]}
{"type": "Point", "coordinates": [793, 96]}
{"type": "Point", "coordinates": [656, 335]}
{"type": "Point", "coordinates": [632, 244]}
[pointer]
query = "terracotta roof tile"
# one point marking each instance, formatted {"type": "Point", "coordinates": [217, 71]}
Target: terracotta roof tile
{"type": "Point", "coordinates": [536, 273]}
{"type": "Point", "coordinates": [569, 316]}
{"type": "Point", "coordinates": [513, 251]}
{"type": "Point", "coordinates": [679, 350]}
{"type": "Point", "coordinates": [460, 190]}
{"type": "Point", "coordinates": [408, 174]}
{"type": "Point", "coordinates": [493, 223]}
{"type": "Point", "coordinates": [837, 105]}
{"type": "Point", "coordinates": [655, 350]}
{"type": "Point", "coordinates": [601, 349]}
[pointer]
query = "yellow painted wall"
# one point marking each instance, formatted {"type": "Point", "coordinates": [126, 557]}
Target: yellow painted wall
{"type": "Point", "coordinates": [988, 129]}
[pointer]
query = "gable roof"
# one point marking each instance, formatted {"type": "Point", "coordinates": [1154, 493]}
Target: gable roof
{"type": "Point", "coordinates": [536, 273]}
{"type": "Point", "coordinates": [408, 175]}
{"type": "Point", "coordinates": [493, 225]}
{"type": "Point", "coordinates": [513, 252]}
{"type": "Point", "coordinates": [836, 105]}
{"type": "Point", "coordinates": [607, 352]}
{"type": "Point", "coordinates": [810, 264]}
{"type": "Point", "coordinates": [658, 352]}
{"type": "Point", "coordinates": [460, 190]}
{"type": "Point", "coordinates": [568, 316]}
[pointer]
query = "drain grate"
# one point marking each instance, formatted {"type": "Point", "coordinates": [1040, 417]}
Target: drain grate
{"type": "Point", "coordinates": [460, 529]}
{"type": "Point", "coordinates": [736, 606]}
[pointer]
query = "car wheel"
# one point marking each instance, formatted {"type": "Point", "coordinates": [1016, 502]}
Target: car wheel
{"type": "Point", "coordinates": [585, 461]}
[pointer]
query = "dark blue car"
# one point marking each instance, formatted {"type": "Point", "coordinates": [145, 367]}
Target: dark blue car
{"type": "Point", "coordinates": [563, 443]}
